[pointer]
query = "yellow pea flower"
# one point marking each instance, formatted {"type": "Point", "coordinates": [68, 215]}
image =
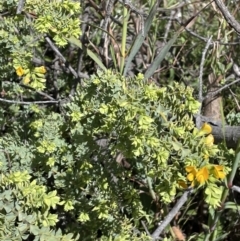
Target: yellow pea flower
{"type": "Point", "coordinates": [218, 172]}
{"type": "Point", "coordinates": [206, 129]}
{"type": "Point", "coordinates": [192, 171]}
{"type": "Point", "coordinates": [202, 175]}
{"type": "Point", "coordinates": [209, 140]}
{"type": "Point", "coordinates": [20, 71]}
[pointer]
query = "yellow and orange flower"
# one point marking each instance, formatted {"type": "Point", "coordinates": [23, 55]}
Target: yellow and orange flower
{"type": "Point", "coordinates": [202, 175]}
{"type": "Point", "coordinates": [192, 171]}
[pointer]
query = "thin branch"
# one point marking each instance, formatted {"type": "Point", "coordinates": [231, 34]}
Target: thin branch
{"type": "Point", "coordinates": [20, 6]}
{"type": "Point", "coordinates": [145, 227]}
{"type": "Point", "coordinates": [167, 27]}
{"type": "Point", "coordinates": [129, 5]}
{"type": "Point", "coordinates": [228, 16]}
{"type": "Point", "coordinates": [55, 49]}
{"type": "Point", "coordinates": [172, 214]}
{"type": "Point", "coordinates": [28, 102]}
{"type": "Point", "coordinates": [108, 9]}
{"type": "Point", "coordinates": [31, 88]}
{"type": "Point", "coordinates": [235, 99]}
{"type": "Point", "coordinates": [235, 188]}
{"type": "Point", "coordinates": [85, 18]}
{"type": "Point", "coordinates": [200, 96]}
{"type": "Point", "coordinates": [104, 38]}
{"type": "Point", "coordinates": [38, 92]}
{"type": "Point", "coordinates": [214, 93]}
{"type": "Point", "coordinates": [203, 38]}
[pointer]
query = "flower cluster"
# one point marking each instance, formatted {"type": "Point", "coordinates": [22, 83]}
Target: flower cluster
{"type": "Point", "coordinates": [202, 175]}
{"type": "Point", "coordinates": [36, 76]}
{"type": "Point", "coordinates": [206, 172]}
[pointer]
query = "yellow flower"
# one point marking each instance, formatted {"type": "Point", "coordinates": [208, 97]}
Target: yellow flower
{"type": "Point", "coordinates": [192, 173]}
{"type": "Point", "coordinates": [20, 71]}
{"type": "Point", "coordinates": [202, 175]}
{"type": "Point", "coordinates": [209, 140]}
{"type": "Point", "coordinates": [206, 128]}
{"type": "Point", "coordinates": [218, 172]}
{"type": "Point", "coordinates": [40, 70]}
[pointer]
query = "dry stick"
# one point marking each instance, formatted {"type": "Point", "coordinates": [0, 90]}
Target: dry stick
{"type": "Point", "coordinates": [109, 8]}
{"type": "Point", "coordinates": [55, 49]}
{"type": "Point", "coordinates": [200, 96]}
{"type": "Point", "coordinates": [145, 227]}
{"type": "Point", "coordinates": [172, 214]}
{"type": "Point", "coordinates": [228, 16]}
{"type": "Point", "coordinates": [20, 6]}
{"type": "Point", "coordinates": [167, 27]}
{"type": "Point", "coordinates": [28, 102]}
{"type": "Point", "coordinates": [38, 92]}
{"type": "Point", "coordinates": [212, 94]}
{"type": "Point", "coordinates": [31, 88]}
{"type": "Point", "coordinates": [235, 99]}
{"type": "Point", "coordinates": [202, 38]}
{"type": "Point", "coordinates": [104, 40]}
{"type": "Point", "coordinates": [235, 188]}
{"type": "Point", "coordinates": [128, 4]}
{"type": "Point", "coordinates": [86, 14]}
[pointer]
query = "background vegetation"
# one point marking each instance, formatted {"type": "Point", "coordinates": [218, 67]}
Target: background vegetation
{"type": "Point", "coordinates": [97, 117]}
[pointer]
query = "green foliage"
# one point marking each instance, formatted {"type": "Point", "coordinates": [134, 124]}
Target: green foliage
{"type": "Point", "coordinates": [23, 34]}
{"type": "Point", "coordinates": [121, 150]}
{"type": "Point", "coordinates": [233, 119]}
{"type": "Point", "coordinates": [63, 168]}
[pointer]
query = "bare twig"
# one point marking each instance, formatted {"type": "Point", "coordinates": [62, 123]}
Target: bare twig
{"type": "Point", "coordinates": [109, 8]}
{"type": "Point", "coordinates": [200, 95]}
{"type": "Point", "coordinates": [104, 39]}
{"type": "Point", "coordinates": [212, 94]}
{"type": "Point", "coordinates": [145, 227]}
{"type": "Point", "coordinates": [55, 49]}
{"type": "Point", "coordinates": [172, 214]}
{"type": "Point", "coordinates": [85, 18]}
{"type": "Point", "coordinates": [20, 6]}
{"type": "Point", "coordinates": [168, 25]}
{"type": "Point", "coordinates": [128, 4]}
{"type": "Point", "coordinates": [31, 88]}
{"type": "Point", "coordinates": [235, 188]}
{"type": "Point", "coordinates": [39, 92]}
{"type": "Point", "coordinates": [201, 37]}
{"type": "Point", "coordinates": [235, 99]}
{"type": "Point", "coordinates": [228, 16]}
{"type": "Point", "coordinates": [28, 102]}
